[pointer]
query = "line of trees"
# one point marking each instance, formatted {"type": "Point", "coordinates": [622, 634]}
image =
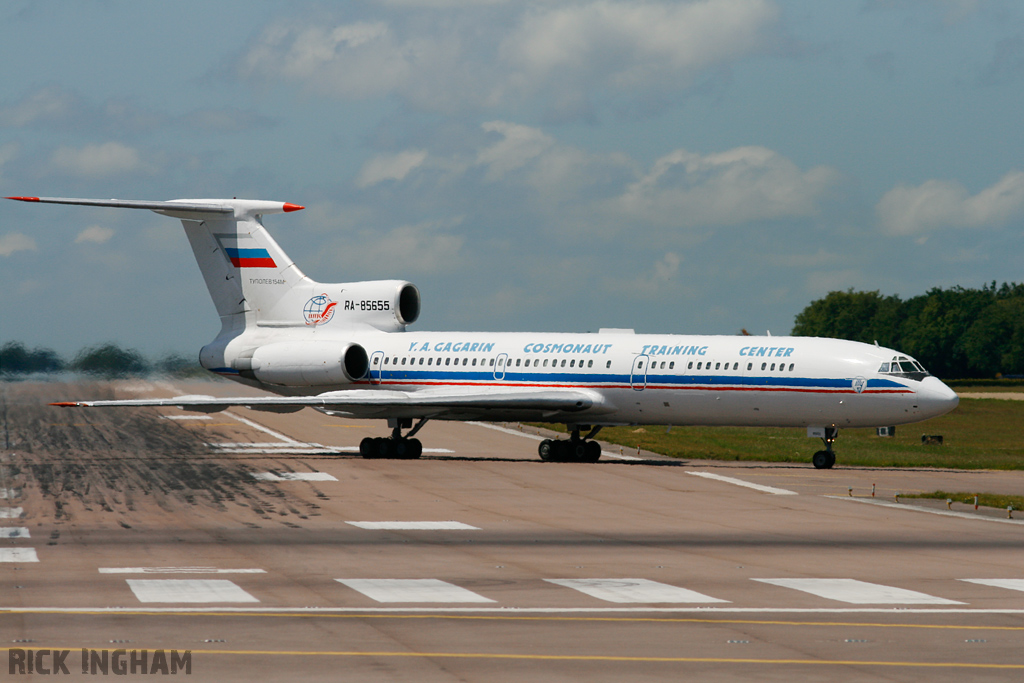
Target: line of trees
{"type": "Point", "coordinates": [956, 333]}
{"type": "Point", "coordinates": [107, 361]}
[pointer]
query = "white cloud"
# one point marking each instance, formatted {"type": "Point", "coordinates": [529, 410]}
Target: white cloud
{"type": "Point", "coordinates": [518, 146]}
{"type": "Point", "coordinates": [94, 233]}
{"type": "Point", "coordinates": [940, 204]}
{"type": "Point", "coordinates": [727, 188]}
{"type": "Point", "coordinates": [15, 241]}
{"type": "Point", "coordinates": [47, 104]}
{"type": "Point", "coordinates": [109, 158]}
{"type": "Point", "coordinates": [487, 56]}
{"type": "Point", "coordinates": [390, 167]}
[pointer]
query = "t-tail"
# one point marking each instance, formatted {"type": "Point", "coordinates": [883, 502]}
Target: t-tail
{"type": "Point", "coordinates": [256, 287]}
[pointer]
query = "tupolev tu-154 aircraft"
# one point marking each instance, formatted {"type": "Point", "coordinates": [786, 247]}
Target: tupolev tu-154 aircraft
{"type": "Point", "coordinates": [344, 349]}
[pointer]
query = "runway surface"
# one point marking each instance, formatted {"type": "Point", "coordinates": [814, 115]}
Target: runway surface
{"type": "Point", "coordinates": [261, 544]}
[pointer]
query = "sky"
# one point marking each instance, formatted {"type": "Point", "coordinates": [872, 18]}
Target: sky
{"type": "Point", "coordinates": [674, 167]}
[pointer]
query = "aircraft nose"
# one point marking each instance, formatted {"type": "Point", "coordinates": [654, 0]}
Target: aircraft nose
{"type": "Point", "coordinates": [934, 398]}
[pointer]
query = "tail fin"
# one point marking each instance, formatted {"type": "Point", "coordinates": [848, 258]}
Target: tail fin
{"type": "Point", "coordinates": [250, 278]}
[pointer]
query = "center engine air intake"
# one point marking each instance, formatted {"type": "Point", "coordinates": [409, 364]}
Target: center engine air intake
{"type": "Point", "coordinates": [307, 363]}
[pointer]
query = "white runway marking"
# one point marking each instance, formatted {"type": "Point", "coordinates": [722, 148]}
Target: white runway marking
{"type": "Point", "coordinates": [633, 590]}
{"type": "Point", "coordinates": [294, 476]}
{"type": "Point", "coordinates": [859, 592]}
{"type": "Point", "coordinates": [930, 511]}
{"type": "Point", "coordinates": [414, 526]}
{"type": "Point", "coordinates": [177, 570]}
{"type": "Point", "coordinates": [8, 493]}
{"type": "Point", "coordinates": [746, 484]}
{"type": "Point", "coordinates": [18, 555]}
{"type": "Point", "coordinates": [266, 430]}
{"type": "Point", "coordinates": [188, 590]}
{"type": "Point", "coordinates": [10, 513]}
{"type": "Point", "coordinates": [412, 590]}
{"type": "Point", "coordinates": [14, 532]}
{"type": "Point", "coordinates": [1012, 584]}
{"type": "Point", "coordinates": [186, 417]}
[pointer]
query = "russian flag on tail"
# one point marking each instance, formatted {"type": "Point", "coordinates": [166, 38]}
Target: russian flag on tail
{"type": "Point", "coordinates": [245, 252]}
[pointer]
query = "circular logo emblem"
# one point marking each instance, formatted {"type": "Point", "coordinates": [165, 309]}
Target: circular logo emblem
{"type": "Point", "coordinates": [859, 384]}
{"type": "Point", "coordinates": [319, 310]}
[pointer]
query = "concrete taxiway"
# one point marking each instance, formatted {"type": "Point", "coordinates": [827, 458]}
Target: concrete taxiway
{"type": "Point", "coordinates": [261, 544]}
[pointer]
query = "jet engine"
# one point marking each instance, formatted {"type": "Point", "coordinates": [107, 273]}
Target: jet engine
{"type": "Point", "coordinates": [305, 363]}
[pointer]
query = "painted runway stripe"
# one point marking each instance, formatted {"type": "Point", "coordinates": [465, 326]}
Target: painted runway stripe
{"type": "Point", "coordinates": [293, 476]}
{"type": "Point", "coordinates": [18, 555]}
{"type": "Point", "coordinates": [415, 526]}
{"type": "Point", "coordinates": [502, 612]}
{"type": "Point", "coordinates": [1012, 584]}
{"type": "Point", "coordinates": [930, 511]}
{"type": "Point", "coordinates": [266, 430]}
{"type": "Point", "coordinates": [177, 570]}
{"type": "Point", "coordinates": [746, 484]}
{"type": "Point", "coordinates": [412, 590]}
{"type": "Point", "coordinates": [8, 493]}
{"type": "Point", "coordinates": [188, 590]}
{"type": "Point", "coordinates": [859, 592]}
{"type": "Point", "coordinates": [10, 513]}
{"type": "Point", "coordinates": [633, 590]}
{"type": "Point", "coordinates": [14, 532]}
{"type": "Point", "coordinates": [186, 417]}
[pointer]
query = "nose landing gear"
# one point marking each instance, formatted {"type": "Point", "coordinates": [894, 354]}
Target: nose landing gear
{"type": "Point", "coordinates": [824, 460]}
{"type": "Point", "coordinates": [575, 449]}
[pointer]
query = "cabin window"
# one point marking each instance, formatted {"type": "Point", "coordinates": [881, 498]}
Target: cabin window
{"type": "Point", "coordinates": [376, 360]}
{"type": "Point", "coordinates": [750, 366]}
{"type": "Point", "coordinates": [699, 365]}
{"type": "Point", "coordinates": [563, 362]}
{"type": "Point", "coordinates": [736, 366]}
{"type": "Point", "coordinates": [447, 361]}
{"type": "Point", "coordinates": [438, 361]}
{"type": "Point", "coordinates": [791, 367]}
{"type": "Point", "coordinates": [491, 363]}
{"type": "Point", "coordinates": [572, 363]}
{"type": "Point", "coordinates": [590, 363]}
{"type": "Point", "coordinates": [421, 361]}
{"type": "Point", "coordinates": [403, 361]}
{"type": "Point", "coordinates": [764, 365]}
{"type": "Point", "coordinates": [773, 366]}
{"type": "Point", "coordinates": [718, 366]}
{"type": "Point", "coordinates": [518, 361]}
{"type": "Point", "coordinates": [689, 366]}
{"type": "Point", "coordinates": [545, 362]}
{"type": "Point", "coordinates": [662, 365]}
{"type": "Point", "coordinates": [474, 362]}
{"type": "Point", "coordinates": [430, 361]}
{"type": "Point", "coordinates": [386, 361]}
{"type": "Point", "coordinates": [672, 365]}
{"type": "Point", "coordinates": [608, 364]}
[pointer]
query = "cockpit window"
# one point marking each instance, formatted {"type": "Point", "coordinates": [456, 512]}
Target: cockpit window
{"type": "Point", "coordinates": [902, 366]}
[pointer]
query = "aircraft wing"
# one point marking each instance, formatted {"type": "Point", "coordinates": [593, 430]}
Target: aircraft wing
{"type": "Point", "coordinates": [438, 402]}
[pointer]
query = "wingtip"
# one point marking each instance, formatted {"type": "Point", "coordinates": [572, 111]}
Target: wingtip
{"type": "Point", "coordinates": [289, 207]}
{"type": "Point", "coordinates": [24, 199]}
{"type": "Point", "coordinates": [66, 404]}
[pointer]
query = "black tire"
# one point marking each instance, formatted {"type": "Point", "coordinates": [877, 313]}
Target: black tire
{"type": "Point", "coordinates": [593, 452]}
{"type": "Point", "coordinates": [366, 447]}
{"type": "Point", "coordinates": [831, 460]}
{"type": "Point", "coordinates": [400, 448]}
{"type": "Point", "coordinates": [822, 460]}
{"type": "Point", "coordinates": [548, 450]}
{"type": "Point", "coordinates": [383, 448]}
{"type": "Point", "coordinates": [415, 449]}
{"type": "Point", "coordinates": [576, 451]}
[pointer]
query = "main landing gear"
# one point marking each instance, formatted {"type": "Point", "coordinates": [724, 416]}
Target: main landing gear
{"type": "Point", "coordinates": [576, 449]}
{"type": "Point", "coordinates": [396, 446]}
{"type": "Point", "coordinates": [824, 460]}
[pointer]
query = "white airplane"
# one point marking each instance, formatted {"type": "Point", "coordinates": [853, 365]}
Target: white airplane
{"type": "Point", "coordinates": [344, 350]}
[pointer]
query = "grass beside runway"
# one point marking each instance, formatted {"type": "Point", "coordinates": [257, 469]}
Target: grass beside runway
{"type": "Point", "coordinates": [979, 434]}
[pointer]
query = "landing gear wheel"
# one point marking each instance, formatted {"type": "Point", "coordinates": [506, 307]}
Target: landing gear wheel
{"type": "Point", "coordinates": [413, 449]}
{"type": "Point", "coordinates": [366, 447]}
{"type": "Point", "coordinates": [384, 448]}
{"type": "Point", "coordinates": [577, 451]}
{"type": "Point", "coordinates": [593, 451]}
{"type": "Point", "coordinates": [548, 450]}
{"type": "Point", "coordinates": [824, 460]}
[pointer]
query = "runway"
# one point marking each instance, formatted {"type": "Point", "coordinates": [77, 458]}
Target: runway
{"type": "Point", "coordinates": [262, 545]}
